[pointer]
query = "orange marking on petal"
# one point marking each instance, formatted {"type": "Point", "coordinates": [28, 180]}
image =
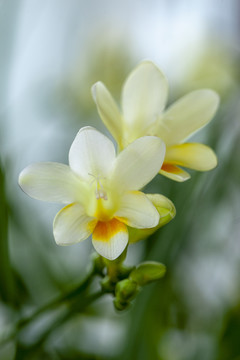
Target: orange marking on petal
{"type": "Point", "coordinates": [171, 168]}
{"type": "Point", "coordinates": [105, 230]}
{"type": "Point", "coordinates": [91, 225]}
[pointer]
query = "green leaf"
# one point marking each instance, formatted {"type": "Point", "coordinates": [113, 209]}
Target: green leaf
{"type": "Point", "coordinates": [147, 272]}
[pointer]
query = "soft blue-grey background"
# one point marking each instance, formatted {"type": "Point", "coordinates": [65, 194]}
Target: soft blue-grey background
{"type": "Point", "coordinates": [51, 52]}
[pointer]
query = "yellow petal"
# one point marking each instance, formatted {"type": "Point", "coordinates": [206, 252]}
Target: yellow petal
{"type": "Point", "coordinates": [138, 163]}
{"type": "Point", "coordinates": [144, 96]}
{"type": "Point", "coordinates": [187, 115]}
{"type": "Point", "coordinates": [174, 172]}
{"type": "Point", "coordinates": [91, 154]}
{"type": "Point", "coordinates": [53, 182]}
{"type": "Point", "coordinates": [110, 238]}
{"type": "Point", "coordinates": [136, 210]}
{"type": "Point", "coordinates": [191, 155]}
{"type": "Point", "coordinates": [108, 110]}
{"type": "Point", "coordinates": [71, 225]}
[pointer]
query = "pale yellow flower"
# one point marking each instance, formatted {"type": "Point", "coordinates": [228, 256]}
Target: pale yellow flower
{"type": "Point", "coordinates": [101, 190]}
{"type": "Point", "coordinates": [144, 97]}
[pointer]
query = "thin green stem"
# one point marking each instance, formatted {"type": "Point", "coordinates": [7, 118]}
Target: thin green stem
{"type": "Point", "coordinates": [67, 297]}
{"type": "Point", "coordinates": [66, 315]}
{"type": "Point", "coordinates": [59, 300]}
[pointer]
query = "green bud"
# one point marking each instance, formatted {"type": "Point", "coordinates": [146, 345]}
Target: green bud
{"type": "Point", "coordinates": [147, 272]}
{"type": "Point", "coordinates": [126, 290]}
{"type": "Point", "coordinates": [120, 306]}
{"type": "Point", "coordinates": [166, 210]}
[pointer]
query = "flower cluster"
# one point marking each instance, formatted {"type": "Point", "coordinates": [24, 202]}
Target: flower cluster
{"type": "Point", "coordinates": [100, 187]}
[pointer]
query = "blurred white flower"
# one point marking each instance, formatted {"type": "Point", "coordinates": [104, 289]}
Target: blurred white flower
{"type": "Point", "coordinates": [144, 97]}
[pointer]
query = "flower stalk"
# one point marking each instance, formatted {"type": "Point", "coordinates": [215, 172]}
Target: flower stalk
{"type": "Point", "coordinates": [120, 281]}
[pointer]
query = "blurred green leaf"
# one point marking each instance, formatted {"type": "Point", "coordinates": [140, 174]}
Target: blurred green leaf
{"type": "Point", "coordinates": [228, 346]}
{"type": "Point", "coordinates": [6, 278]}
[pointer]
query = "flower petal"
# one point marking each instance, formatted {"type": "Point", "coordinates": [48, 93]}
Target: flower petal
{"type": "Point", "coordinates": [166, 210]}
{"type": "Point", "coordinates": [53, 182]}
{"type": "Point", "coordinates": [91, 154]}
{"type": "Point", "coordinates": [110, 238]}
{"type": "Point", "coordinates": [108, 110]}
{"type": "Point", "coordinates": [138, 163]}
{"type": "Point", "coordinates": [174, 172]}
{"type": "Point", "coordinates": [71, 225]}
{"type": "Point", "coordinates": [137, 211]}
{"type": "Point", "coordinates": [187, 115]}
{"type": "Point", "coordinates": [144, 96]}
{"type": "Point", "coordinates": [191, 155]}
{"type": "Point", "coordinates": [164, 206]}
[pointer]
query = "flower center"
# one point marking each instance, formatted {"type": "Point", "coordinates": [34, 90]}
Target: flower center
{"type": "Point", "coordinates": [102, 203]}
{"type": "Point", "coordinates": [99, 191]}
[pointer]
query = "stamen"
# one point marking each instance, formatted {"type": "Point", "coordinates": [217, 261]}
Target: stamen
{"type": "Point", "coordinates": [99, 192]}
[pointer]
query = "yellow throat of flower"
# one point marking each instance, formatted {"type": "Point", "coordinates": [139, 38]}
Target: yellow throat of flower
{"type": "Point", "coordinates": [102, 202]}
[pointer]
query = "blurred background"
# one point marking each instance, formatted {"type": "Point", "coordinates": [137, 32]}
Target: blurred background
{"type": "Point", "coordinates": [51, 53]}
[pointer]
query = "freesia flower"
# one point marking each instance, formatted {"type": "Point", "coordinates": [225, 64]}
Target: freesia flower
{"type": "Point", "coordinates": [101, 190]}
{"type": "Point", "coordinates": [144, 97]}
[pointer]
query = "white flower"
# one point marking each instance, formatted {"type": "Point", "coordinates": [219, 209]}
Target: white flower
{"type": "Point", "coordinates": [144, 97]}
{"type": "Point", "coordinates": [100, 188]}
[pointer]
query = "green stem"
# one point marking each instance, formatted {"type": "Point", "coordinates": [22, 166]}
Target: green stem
{"type": "Point", "coordinates": [59, 300]}
{"type": "Point", "coordinates": [66, 315]}
{"type": "Point", "coordinates": [67, 297]}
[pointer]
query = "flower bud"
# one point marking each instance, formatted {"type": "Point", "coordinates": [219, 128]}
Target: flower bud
{"type": "Point", "coordinates": [120, 306]}
{"type": "Point", "coordinates": [166, 210]}
{"type": "Point", "coordinates": [147, 272]}
{"type": "Point", "coordinates": [126, 290]}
